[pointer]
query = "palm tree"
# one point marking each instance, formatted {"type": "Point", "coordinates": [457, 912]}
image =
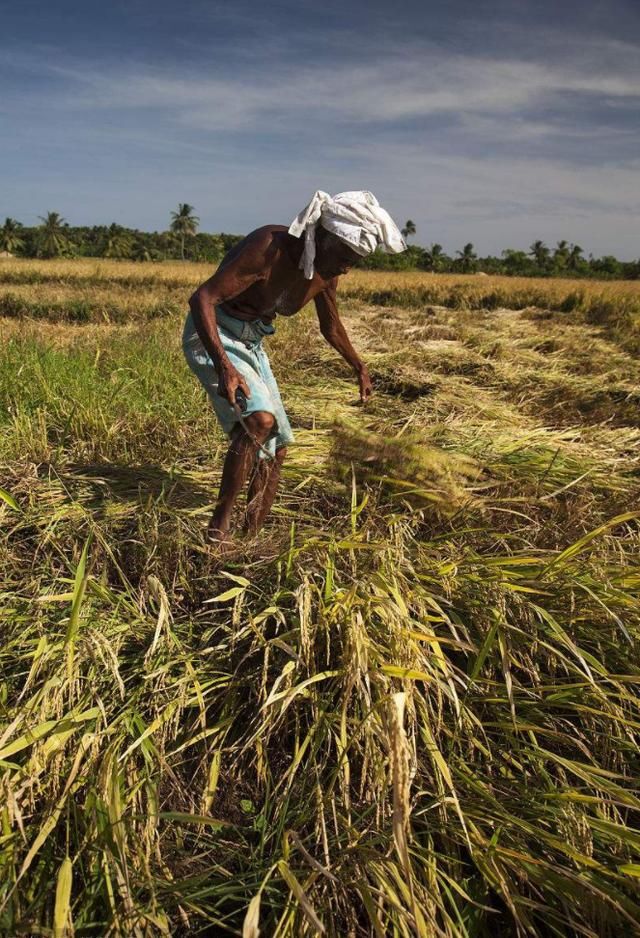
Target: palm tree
{"type": "Point", "coordinates": [118, 242]}
{"type": "Point", "coordinates": [10, 239]}
{"type": "Point", "coordinates": [52, 241]}
{"type": "Point", "coordinates": [141, 252]}
{"type": "Point", "coordinates": [468, 257]}
{"type": "Point", "coordinates": [434, 256]}
{"type": "Point", "coordinates": [540, 252]}
{"type": "Point", "coordinates": [574, 257]}
{"type": "Point", "coordinates": [409, 228]}
{"type": "Point", "coordinates": [561, 254]}
{"type": "Point", "coordinates": [184, 223]}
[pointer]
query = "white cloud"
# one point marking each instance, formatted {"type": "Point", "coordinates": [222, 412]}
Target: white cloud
{"type": "Point", "coordinates": [350, 123]}
{"type": "Point", "coordinates": [417, 81]}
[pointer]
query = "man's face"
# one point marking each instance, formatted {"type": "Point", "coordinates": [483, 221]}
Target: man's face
{"type": "Point", "coordinates": [333, 256]}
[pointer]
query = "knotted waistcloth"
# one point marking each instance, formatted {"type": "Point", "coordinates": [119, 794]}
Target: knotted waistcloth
{"type": "Point", "coordinates": [357, 218]}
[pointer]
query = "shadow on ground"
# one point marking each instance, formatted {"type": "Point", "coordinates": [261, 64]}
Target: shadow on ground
{"type": "Point", "coordinates": [98, 483]}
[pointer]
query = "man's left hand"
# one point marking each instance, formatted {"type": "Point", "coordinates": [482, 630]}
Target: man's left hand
{"type": "Point", "coordinates": [366, 388]}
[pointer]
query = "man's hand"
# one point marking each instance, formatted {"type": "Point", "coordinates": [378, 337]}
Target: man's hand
{"type": "Point", "coordinates": [366, 388]}
{"type": "Point", "coordinates": [230, 380]}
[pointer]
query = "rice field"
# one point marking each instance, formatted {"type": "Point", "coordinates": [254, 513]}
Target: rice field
{"type": "Point", "coordinates": [120, 291]}
{"type": "Point", "coordinates": [409, 706]}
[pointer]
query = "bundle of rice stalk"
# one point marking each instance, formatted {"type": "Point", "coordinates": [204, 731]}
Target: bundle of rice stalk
{"type": "Point", "coordinates": [405, 468]}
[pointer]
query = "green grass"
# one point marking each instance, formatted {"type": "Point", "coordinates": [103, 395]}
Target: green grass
{"type": "Point", "coordinates": [409, 707]}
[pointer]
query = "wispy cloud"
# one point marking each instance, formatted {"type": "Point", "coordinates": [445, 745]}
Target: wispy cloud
{"type": "Point", "coordinates": [418, 80]}
{"type": "Point", "coordinates": [541, 138]}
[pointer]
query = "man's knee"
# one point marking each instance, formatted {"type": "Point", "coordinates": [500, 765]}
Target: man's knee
{"type": "Point", "coordinates": [260, 424]}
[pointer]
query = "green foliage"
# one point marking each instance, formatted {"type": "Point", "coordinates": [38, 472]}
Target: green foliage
{"type": "Point", "coordinates": [434, 259]}
{"type": "Point", "coordinates": [409, 229]}
{"type": "Point", "coordinates": [518, 264]}
{"type": "Point", "coordinates": [52, 238]}
{"type": "Point", "coordinates": [133, 244]}
{"type": "Point", "coordinates": [118, 242]}
{"type": "Point", "coordinates": [467, 259]}
{"type": "Point", "coordinates": [10, 239]}
{"type": "Point", "coordinates": [609, 266]}
{"type": "Point", "coordinates": [541, 253]}
{"type": "Point", "coordinates": [56, 239]}
{"type": "Point", "coordinates": [184, 224]}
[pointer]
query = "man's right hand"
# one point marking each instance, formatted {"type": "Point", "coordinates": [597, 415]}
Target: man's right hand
{"type": "Point", "coordinates": [230, 380]}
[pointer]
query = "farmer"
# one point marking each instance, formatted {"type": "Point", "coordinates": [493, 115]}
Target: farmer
{"type": "Point", "coordinates": [274, 271]}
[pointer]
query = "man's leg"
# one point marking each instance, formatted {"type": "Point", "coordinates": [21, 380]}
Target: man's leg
{"type": "Point", "coordinates": [262, 490]}
{"type": "Point", "coordinates": [237, 465]}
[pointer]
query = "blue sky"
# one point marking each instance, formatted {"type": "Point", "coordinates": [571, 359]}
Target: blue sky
{"type": "Point", "coordinates": [495, 122]}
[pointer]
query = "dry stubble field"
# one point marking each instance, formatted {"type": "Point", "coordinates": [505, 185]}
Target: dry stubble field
{"type": "Point", "coordinates": [410, 706]}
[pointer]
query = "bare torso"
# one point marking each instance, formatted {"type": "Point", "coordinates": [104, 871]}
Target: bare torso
{"type": "Point", "coordinates": [259, 278]}
{"type": "Point", "coordinates": [282, 289]}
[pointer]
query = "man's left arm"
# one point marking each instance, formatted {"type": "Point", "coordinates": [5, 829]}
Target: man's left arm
{"type": "Point", "coordinates": [334, 332]}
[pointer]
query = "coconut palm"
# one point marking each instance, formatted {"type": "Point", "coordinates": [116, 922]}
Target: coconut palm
{"type": "Point", "coordinates": [409, 228]}
{"type": "Point", "coordinates": [574, 257]}
{"type": "Point", "coordinates": [184, 223]}
{"type": "Point", "coordinates": [10, 239]}
{"type": "Point", "coordinates": [434, 256]}
{"type": "Point", "coordinates": [140, 252]}
{"type": "Point", "coordinates": [118, 242]}
{"type": "Point", "coordinates": [52, 240]}
{"type": "Point", "coordinates": [540, 252]}
{"type": "Point", "coordinates": [561, 253]}
{"type": "Point", "coordinates": [468, 257]}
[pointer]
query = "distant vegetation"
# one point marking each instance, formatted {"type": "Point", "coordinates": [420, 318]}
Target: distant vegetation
{"type": "Point", "coordinates": [54, 237]}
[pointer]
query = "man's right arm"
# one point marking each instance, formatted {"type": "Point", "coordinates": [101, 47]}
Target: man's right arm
{"type": "Point", "coordinates": [202, 304]}
{"type": "Point", "coordinates": [235, 277]}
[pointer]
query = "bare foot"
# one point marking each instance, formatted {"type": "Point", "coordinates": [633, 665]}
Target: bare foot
{"type": "Point", "coordinates": [219, 538]}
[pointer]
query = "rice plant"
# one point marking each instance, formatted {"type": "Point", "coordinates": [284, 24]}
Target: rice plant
{"type": "Point", "coordinates": [409, 707]}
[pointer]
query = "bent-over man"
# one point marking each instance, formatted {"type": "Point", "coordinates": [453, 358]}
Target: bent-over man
{"type": "Point", "coordinates": [274, 271]}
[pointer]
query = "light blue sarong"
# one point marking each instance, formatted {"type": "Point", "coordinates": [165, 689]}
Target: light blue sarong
{"type": "Point", "coordinates": [242, 342]}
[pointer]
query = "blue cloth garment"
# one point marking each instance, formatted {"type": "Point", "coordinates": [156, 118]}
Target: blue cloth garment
{"type": "Point", "coordinates": [242, 342]}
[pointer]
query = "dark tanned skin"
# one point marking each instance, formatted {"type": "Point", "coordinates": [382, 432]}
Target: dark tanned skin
{"type": "Point", "coordinates": [258, 279]}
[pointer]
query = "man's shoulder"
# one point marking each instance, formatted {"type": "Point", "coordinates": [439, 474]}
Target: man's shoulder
{"type": "Point", "coordinates": [268, 230]}
{"type": "Point", "coordinates": [274, 242]}
{"type": "Point", "coordinates": [267, 240]}
{"type": "Point", "coordinates": [258, 245]}
{"type": "Point", "coordinates": [266, 235]}
{"type": "Point", "coordinates": [261, 248]}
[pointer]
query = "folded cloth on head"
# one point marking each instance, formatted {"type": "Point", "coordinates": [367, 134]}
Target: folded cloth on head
{"type": "Point", "coordinates": [357, 218]}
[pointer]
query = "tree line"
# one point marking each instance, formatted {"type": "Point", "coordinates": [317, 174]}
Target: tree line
{"type": "Point", "coordinates": [54, 237]}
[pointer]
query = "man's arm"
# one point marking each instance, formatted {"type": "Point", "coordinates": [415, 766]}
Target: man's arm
{"type": "Point", "coordinates": [334, 332]}
{"type": "Point", "coordinates": [237, 275]}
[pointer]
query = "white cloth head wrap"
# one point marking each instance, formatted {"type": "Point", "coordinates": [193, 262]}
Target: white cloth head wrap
{"type": "Point", "coordinates": [357, 218]}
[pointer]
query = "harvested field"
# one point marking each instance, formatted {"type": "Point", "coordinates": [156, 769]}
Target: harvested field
{"type": "Point", "coordinates": [410, 706]}
{"type": "Point", "coordinates": [115, 291]}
